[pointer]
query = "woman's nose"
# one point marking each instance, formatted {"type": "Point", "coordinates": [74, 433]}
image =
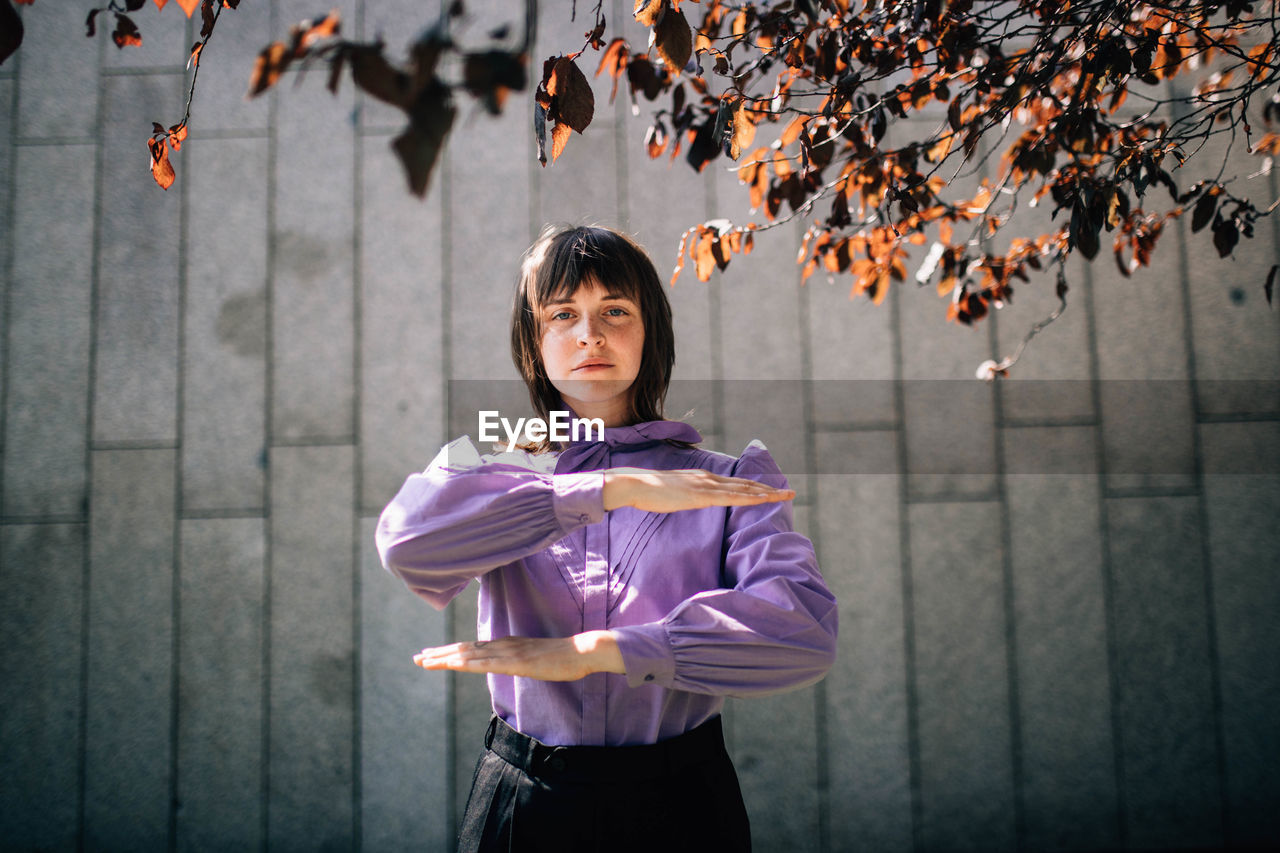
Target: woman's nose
{"type": "Point", "coordinates": [589, 333]}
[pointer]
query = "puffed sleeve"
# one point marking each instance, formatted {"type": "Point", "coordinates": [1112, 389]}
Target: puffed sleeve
{"type": "Point", "coordinates": [467, 514]}
{"type": "Point", "coordinates": [773, 628]}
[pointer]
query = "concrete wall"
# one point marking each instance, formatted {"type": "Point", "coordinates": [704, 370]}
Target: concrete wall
{"type": "Point", "coordinates": [1058, 593]}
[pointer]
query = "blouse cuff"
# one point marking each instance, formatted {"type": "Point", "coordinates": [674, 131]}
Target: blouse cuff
{"type": "Point", "coordinates": [578, 499]}
{"type": "Point", "coordinates": [646, 654]}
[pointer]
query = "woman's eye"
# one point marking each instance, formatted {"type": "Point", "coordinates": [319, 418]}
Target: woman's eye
{"type": "Point", "coordinates": [560, 315]}
{"type": "Point", "coordinates": [616, 312]}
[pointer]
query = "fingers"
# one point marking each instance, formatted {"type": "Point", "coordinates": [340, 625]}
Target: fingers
{"type": "Point", "coordinates": [738, 491]}
{"type": "Point", "coordinates": [462, 657]}
{"type": "Point", "coordinates": [545, 658]}
{"type": "Point", "coordinates": [507, 655]}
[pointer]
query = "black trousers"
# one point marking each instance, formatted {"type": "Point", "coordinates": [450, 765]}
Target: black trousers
{"type": "Point", "coordinates": [680, 794]}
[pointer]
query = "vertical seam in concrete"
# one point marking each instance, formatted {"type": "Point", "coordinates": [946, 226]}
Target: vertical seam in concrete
{"type": "Point", "coordinates": [621, 160]}
{"type": "Point", "coordinates": [9, 252]}
{"type": "Point", "coordinates": [1271, 179]}
{"type": "Point", "coordinates": [273, 106]}
{"type": "Point", "coordinates": [1010, 613]}
{"type": "Point", "coordinates": [821, 766]}
{"type": "Point", "coordinates": [717, 380]}
{"type": "Point", "coordinates": [534, 169]}
{"type": "Point", "coordinates": [445, 201]}
{"type": "Point", "coordinates": [713, 320]}
{"type": "Point", "coordinates": [82, 727]}
{"type": "Point", "coordinates": [357, 478]}
{"type": "Point", "coordinates": [95, 252]}
{"type": "Point", "coordinates": [1108, 579]}
{"type": "Point", "coordinates": [1202, 512]}
{"type": "Point", "coordinates": [175, 712]}
{"type": "Point", "coordinates": [904, 560]}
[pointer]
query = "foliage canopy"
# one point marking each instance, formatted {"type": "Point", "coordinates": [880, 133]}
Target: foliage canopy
{"type": "Point", "coordinates": [896, 122]}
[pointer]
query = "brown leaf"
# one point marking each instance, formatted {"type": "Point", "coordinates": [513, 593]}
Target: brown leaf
{"type": "Point", "coordinates": [1269, 287]}
{"type": "Point", "coordinates": [195, 53]}
{"type": "Point", "coordinates": [268, 67]}
{"type": "Point", "coordinates": [10, 30]}
{"type": "Point", "coordinates": [1203, 212]}
{"type": "Point", "coordinates": [336, 65]}
{"type": "Point", "coordinates": [1225, 236]}
{"type": "Point", "coordinates": [372, 73]}
{"type": "Point", "coordinates": [704, 254]}
{"type": "Point", "coordinates": [643, 77]}
{"type": "Point", "coordinates": [206, 18]}
{"type": "Point", "coordinates": [161, 168]}
{"type": "Point", "coordinates": [595, 36]}
{"type": "Point", "coordinates": [492, 74]}
{"type": "Point", "coordinates": [705, 147]}
{"type": "Point", "coordinates": [741, 130]}
{"type": "Point", "coordinates": [189, 6]}
{"type": "Point", "coordinates": [318, 30]}
{"type": "Point", "coordinates": [673, 40]}
{"type": "Point", "coordinates": [575, 102]}
{"type": "Point", "coordinates": [176, 136]}
{"type": "Point", "coordinates": [126, 32]}
{"type": "Point", "coordinates": [559, 136]}
{"type": "Point", "coordinates": [91, 30]}
{"type": "Point", "coordinates": [647, 12]}
{"type": "Point", "coordinates": [655, 140]}
{"type": "Point", "coordinates": [420, 144]}
{"type": "Point", "coordinates": [614, 61]}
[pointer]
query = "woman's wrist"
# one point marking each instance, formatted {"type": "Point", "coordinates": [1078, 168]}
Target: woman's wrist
{"type": "Point", "coordinates": [615, 493]}
{"type": "Point", "coordinates": [600, 648]}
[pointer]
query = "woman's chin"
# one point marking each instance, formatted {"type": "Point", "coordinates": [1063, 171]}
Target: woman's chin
{"type": "Point", "coordinates": [594, 392]}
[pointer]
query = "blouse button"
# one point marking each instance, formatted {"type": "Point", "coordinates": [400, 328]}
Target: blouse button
{"type": "Point", "coordinates": [583, 518]}
{"type": "Point", "coordinates": [649, 677]}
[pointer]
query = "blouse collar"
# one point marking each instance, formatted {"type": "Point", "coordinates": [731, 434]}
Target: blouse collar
{"type": "Point", "coordinates": [582, 454]}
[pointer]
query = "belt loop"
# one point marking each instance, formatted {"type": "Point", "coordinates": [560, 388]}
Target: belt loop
{"type": "Point", "coordinates": [493, 729]}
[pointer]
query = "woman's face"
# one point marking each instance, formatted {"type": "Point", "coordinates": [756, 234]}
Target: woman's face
{"type": "Point", "coordinates": [591, 348]}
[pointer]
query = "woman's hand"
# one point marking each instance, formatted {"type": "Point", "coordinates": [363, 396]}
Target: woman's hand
{"type": "Point", "coordinates": [544, 658]}
{"type": "Point", "coordinates": [689, 488]}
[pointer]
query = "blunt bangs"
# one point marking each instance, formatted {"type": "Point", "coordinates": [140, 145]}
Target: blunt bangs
{"type": "Point", "coordinates": [585, 255]}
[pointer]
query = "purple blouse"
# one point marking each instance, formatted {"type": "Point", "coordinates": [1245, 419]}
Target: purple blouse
{"type": "Point", "coordinates": [705, 603]}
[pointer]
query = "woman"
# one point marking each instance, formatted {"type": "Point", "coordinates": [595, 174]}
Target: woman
{"type": "Point", "coordinates": [626, 585]}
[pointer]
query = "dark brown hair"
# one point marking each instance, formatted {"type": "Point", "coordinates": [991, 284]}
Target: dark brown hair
{"type": "Point", "coordinates": [556, 265]}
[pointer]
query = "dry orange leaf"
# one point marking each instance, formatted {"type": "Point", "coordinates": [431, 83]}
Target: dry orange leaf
{"type": "Point", "coordinates": [647, 12]}
{"type": "Point", "coordinates": [559, 137]}
{"type": "Point", "coordinates": [268, 67]}
{"type": "Point", "coordinates": [188, 6]}
{"type": "Point", "coordinates": [741, 130]}
{"type": "Point", "coordinates": [161, 168]}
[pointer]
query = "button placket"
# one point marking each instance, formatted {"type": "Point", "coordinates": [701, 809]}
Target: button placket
{"type": "Point", "coordinates": [594, 616]}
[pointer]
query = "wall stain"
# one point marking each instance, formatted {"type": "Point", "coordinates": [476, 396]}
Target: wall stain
{"type": "Point", "coordinates": [242, 324]}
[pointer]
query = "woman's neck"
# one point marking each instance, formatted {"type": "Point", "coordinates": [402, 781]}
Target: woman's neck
{"type": "Point", "coordinates": [613, 413]}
